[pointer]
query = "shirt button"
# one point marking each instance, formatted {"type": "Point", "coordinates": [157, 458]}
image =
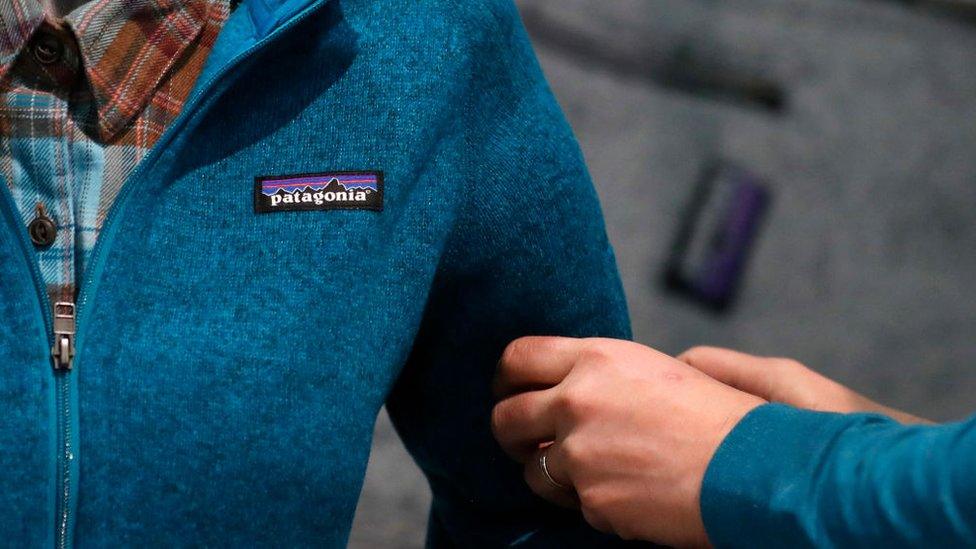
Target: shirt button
{"type": "Point", "coordinates": [42, 229]}
{"type": "Point", "coordinates": [47, 49]}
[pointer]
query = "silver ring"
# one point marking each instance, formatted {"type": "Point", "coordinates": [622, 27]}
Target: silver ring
{"type": "Point", "coordinates": [545, 470]}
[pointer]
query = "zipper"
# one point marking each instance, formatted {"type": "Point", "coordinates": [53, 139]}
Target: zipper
{"type": "Point", "coordinates": [63, 354]}
{"type": "Point", "coordinates": [65, 457]}
{"type": "Point", "coordinates": [70, 336]}
{"type": "Point", "coordinates": [63, 350]}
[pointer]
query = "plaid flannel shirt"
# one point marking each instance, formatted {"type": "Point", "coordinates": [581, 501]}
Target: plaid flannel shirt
{"type": "Point", "coordinates": [83, 97]}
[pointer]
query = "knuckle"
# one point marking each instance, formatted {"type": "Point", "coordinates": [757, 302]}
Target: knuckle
{"type": "Point", "coordinates": [564, 401]}
{"type": "Point", "coordinates": [591, 504]}
{"type": "Point", "coordinates": [592, 499]}
{"type": "Point", "coordinates": [574, 452]}
{"type": "Point", "coordinates": [499, 419]}
{"type": "Point", "coordinates": [596, 521]}
{"type": "Point", "coordinates": [625, 532]}
{"type": "Point", "coordinates": [514, 352]}
{"type": "Point", "coordinates": [594, 353]}
{"type": "Point", "coordinates": [576, 401]}
{"type": "Point", "coordinates": [601, 509]}
{"type": "Point", "coordinates": [509, 413]}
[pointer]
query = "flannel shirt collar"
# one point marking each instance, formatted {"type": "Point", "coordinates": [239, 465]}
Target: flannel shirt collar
{"type": "Point", "coordinates": [127, 47]}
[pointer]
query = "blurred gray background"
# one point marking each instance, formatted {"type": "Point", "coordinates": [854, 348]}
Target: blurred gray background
{"type": "Point", "coordinates": [865, 267]}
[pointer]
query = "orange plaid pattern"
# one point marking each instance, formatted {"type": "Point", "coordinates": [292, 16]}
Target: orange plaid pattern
{"type": "Point", "coordinates": [74, 124]}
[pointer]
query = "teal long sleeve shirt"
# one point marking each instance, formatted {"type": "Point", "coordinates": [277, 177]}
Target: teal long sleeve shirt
{"type": "Point", "coordinates": [793, 478]}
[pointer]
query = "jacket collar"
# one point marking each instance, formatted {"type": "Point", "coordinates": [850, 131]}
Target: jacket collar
{"type": "Point", "coordinates": [268, 15]}
{"type": "Point", "coordinates": [252, 22]}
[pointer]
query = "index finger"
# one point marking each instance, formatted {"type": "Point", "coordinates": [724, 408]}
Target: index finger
{"type": "Point", "coordinates": [535, 362]}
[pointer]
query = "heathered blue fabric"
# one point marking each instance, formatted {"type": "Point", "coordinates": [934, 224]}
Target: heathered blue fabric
{"type": "Point", "coordinates": [231, 365]}
{"type": "Point", "coordinates": [793, 478]}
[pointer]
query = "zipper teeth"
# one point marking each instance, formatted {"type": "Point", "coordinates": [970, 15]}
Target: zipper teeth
{"type": "Point", "coordinates": [66, 458]}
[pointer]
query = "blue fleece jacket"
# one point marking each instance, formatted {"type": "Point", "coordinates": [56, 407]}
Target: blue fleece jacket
{"type": "Point", "coordinates": [230, 364]}
{"type": "Point", "coordinates": [794, 478]}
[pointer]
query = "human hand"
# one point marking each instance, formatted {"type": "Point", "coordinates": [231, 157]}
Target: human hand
{"type": "Point", "coordinates": [786, 381]}
{"type": "Point", "coordinates": [627, 431]}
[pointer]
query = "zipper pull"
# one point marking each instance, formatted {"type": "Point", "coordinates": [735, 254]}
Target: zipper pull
{"type": "Point", "coordinates": [64, 335]}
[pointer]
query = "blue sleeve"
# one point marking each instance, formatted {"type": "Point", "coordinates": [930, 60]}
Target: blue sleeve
{"type": "Point", "coordinates": [528, 255]}
{"type": "Point", "coordinates": [793, 478]}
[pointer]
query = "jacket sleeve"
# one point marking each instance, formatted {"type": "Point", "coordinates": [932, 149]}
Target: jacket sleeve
{"type": "Point", "coordinates": [794, 478]}
{"type": "Point", "coordinates": [528, 255]}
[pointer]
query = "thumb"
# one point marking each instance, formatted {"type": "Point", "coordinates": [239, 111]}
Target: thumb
{"type": "Point", "coordinates": [748, 373]}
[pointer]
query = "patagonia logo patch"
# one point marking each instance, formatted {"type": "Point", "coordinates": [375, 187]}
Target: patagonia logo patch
{"type": "Point", "coordinates": [343, 190]}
